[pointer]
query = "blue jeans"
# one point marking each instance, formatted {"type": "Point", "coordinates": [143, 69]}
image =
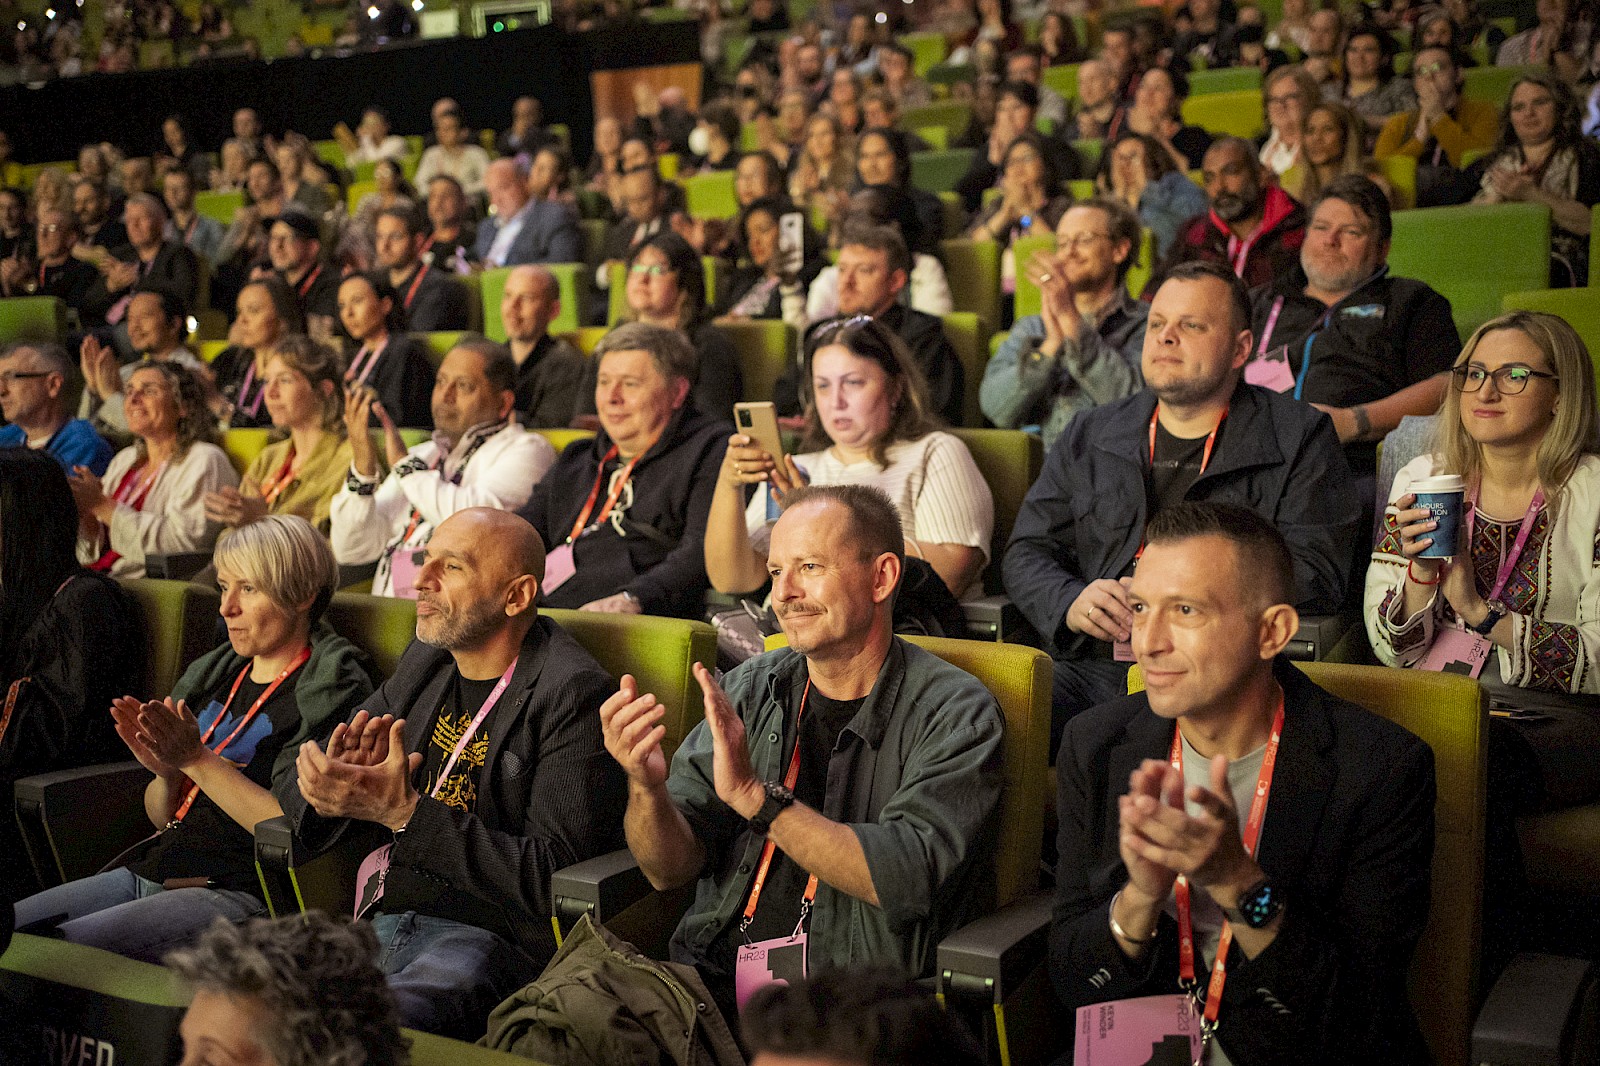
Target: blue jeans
{"type": "Point", "coordinates": [124, 913]}
{"type": "Point", "coordinates": [447, 976]}
{"type": "Point", "coordinates": [1079, 684]}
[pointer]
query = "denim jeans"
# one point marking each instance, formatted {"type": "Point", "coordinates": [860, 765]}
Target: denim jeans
{"type": "Point", "coordinates": [447, 976]}
{"type": "Point", "coordinates": [124, 913]}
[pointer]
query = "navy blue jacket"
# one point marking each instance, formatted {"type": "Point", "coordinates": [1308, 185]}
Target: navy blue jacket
{"type": "Point", "coordinates": [549, 234]}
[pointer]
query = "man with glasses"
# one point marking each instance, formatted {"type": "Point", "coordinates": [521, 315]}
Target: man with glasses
{"type": "Point", "coordinates": [33, 381]}
{"type": "Point", "coordinates": [56, 273]}
{"type": "Point", "coordinates": [1082, 348]}
{"type": "Point", "coordinates": [1342, 334]}
{"type": "Point", "coordinates": [1444, 127]}
{"type": "Point", "coordinates": [1253, 226]}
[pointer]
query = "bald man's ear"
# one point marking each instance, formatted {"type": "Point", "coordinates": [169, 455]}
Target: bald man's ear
{"type": "Point", "coordinates": [523, 596]}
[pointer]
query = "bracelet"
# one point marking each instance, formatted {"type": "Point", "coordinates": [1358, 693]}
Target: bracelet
{"type": "Point", "coordinates": [1363, 422]}
{"type": "Point", "coordinates": [1121, 932]}
{"type": "Point", "coordinates": [1413, 576]}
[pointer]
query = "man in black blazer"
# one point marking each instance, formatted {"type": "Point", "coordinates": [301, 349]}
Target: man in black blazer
{"type": "Point", "coordinates": [147, 258]}
{"type": "Point", "coordinates": [433, 299]}
{"type": "Point", "coordinates": [473, 774]}
{"type": "Point", "coordinates": [1296, 825]}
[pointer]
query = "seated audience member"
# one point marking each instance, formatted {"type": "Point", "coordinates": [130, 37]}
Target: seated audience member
{"type": "Point", "coordinates": [1287, 94]}
{"type": "Point", "coordinates": [300, 474]}
{"type": "Point", "coordinates": [1444, 127]}
{"type": "Point", "coordinates": [1097, 103]}
{"type": "Point", "coordinates": [667, 288]}
{"type": "Point", "coordinates": [764, 283]}
{"type": "Point", "coordinates": [294, 246]}
{"type": "Point", "coordinates": [149, 257]}
{"type": "Point", "coordinates": [16, 241]}
{"type": "Point", "coordinates": [217, 747]}
{"type": "Point", "coordinates": [1030, 203]}
{"type": "Point", "coordinates": [452, 237]}
{"type": "Point", "coordinates": [454, 156]}
{"type": "Point", "coordinates": [894, 856]}
{"type": "Point", "coordinates": [1332, 141]}
{"type": "Point", "coordinates": [72, 641]}
{"type": "Point", "coordinates": [1083, 347]}
{"type": "Point", "coordinates": [550, 176]}
{"type": "Point", "coordinates": [867, 1016]}
{"type": "Point", "coordinates": [896, 71]}
{"type": "Point", "coordinates": [1556, 42]}
{"type": "Point", "coordinates": [430, 297]}
{"type": "Point", "coordinates": [1196, 431]}
{"type": "Point", "coordinates": [233, 170]}
{"type": "Point", "coordinates": [304, 182]}
{"type": "Point", "coordinates": [1015, 109]}
{"type": "Point", "coordinates": [874, 265]}
{"type": "Point", "coordinates": [1315, 913]}
{"type": "Point", "coordinates": [550, 370]}
{"type": "Point", "coordinates": [1026, 64]}
{"type": "Point", "coordinates": [1542, 158]}
{"type": "Point", "coordinates": [639, 152]}
{"type": "Point", "coordinates": [266, 312]}
{"type": "Point", "coordinates": [33, 400]}
{"type": "Point", "coordinates": [527, 133]}
{"type": "Point", "coordinates": [391, 191]}
{"type": "Point", "coordinates": [1370, 87]}
{"type": "Point", "coordinates": [1058, 40]}
{"type": "Point", "coordinates": [157, 324]}
{"type": "Point", "coordinates": [605, 161]}
{"type": "Point", "coordinates": [1155, 112]}
{"type": "Point", "coordinates": [468, 836]}
{"type": "Point", "coordinates": [819, 177]}
{"type": "Point", "coordinates": [714, 142]}
{"type": "Point", "coordinates": [883, 157]}
{"type": "Point", "coordinates": [152, 498]}
{"type": "Point", "coordinates": [1209, 39]}
{"type": "Point", "coordinates": [523, 230]}
{"type": "Point", "coordinates": [758, 177]}
{"type": "Point", "coordinates": [1253, 226]}
{"type": "Point", "coordinates": [1519, 424]}
{"type": "Point", "coordinates": [56, 272]}
{"type": "Point", "coordinates": [200, 234]}
{"type": "Point", "coordinates": [1344, 335]}
{"type": "Point", "coordinates": [881, 111]}
{"type": "Point", "coordinates": [370, 141]}
{"type": "Point", "coordinates": [302, 990]}
{"type": "Point", "coordinates": [867, 423]}
{"type": "Point", "coordinates": [1138, 171]}
{"type": "Point", "coordinates": [638, 547]}
{"type": "Point", "coordinates": [927, 289]}
{"type": "Point", "coordinates": [391, 518]}
{"type": "Point", "coordinates": [384, 359]}
{"type": "Point", "coordinates": [91, 202]}
{"type": "Point", "coordinates": [1323, 50]}
{"type": "Point", "coordinates": [644, 214]}
{"type": "Point", "coordinates": [245, 245]}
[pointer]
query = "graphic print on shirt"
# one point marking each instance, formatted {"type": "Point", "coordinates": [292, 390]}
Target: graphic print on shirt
{"type": "Point", "coordinates": [461, 790]}
{"type": "Point", "coordinates": [243, 747]}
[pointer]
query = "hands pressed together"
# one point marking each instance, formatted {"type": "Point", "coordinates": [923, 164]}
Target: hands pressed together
{"type": "Point", "coordinates": [364, 774]}
{"type": "Point", "coordinates": [1159, 839]}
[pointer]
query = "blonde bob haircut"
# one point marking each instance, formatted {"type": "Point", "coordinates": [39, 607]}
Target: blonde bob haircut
{"type": "Point", "coordinates": [287, 558]}
{"type": "Point", "coordinates": [1574, 433]}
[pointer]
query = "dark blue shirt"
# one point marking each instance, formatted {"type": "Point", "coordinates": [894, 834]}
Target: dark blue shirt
{"type": "Point", "coordinates": [75, 444]}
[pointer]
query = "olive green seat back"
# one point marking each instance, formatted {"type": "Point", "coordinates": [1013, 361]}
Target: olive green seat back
{"type": "Point", "coordinates": [939, 171]}
{"type": "Point", "coordinates": [1451, 248]}
{"type": "Point", "coordinates": [1580, 308]}
{"type": "Point", "coordinates": [765, 347]}
{"type": "Point", "coordinates": [1237, 113]}
{"type": "Point", "coordinates": [570, 278]}
{"type": "Point", "coordinates": [973, 271]}
{"type": "Point", "coordinates": [220, 206]}
{"type": "Point", "coordinates": [381, 626]}
{"type": "Point", "coordinates": [180, 625]}
{"type": "Point", "coordinates": [711, 195]}
{"type": "Point", "coordinates": [1010, 461]}
{"type": "Point", "coordinates": [1225, 80]}
{"type": "Point", "coordinates": [968, 334]}
{"type": "Point", "coordinates": [32, 318]}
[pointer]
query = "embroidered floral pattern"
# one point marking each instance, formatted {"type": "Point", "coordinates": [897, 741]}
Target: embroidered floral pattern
{"type": "Point", "coordinates": [1555, 654]}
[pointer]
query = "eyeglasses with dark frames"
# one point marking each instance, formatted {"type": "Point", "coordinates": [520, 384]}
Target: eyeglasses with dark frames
{"type": "Point", "coordinates": [1508, 380]}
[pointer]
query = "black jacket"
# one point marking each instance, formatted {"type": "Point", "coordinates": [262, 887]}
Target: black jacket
{"type": "Point", "coordinates": [175, 269]}
{"type": "Point", "coordinates": [658, 555]}
{"type": "Point", "coordinates": [1085, 516]}
{"type": "Point", "coordinates": [403, 380]}
{"type": "Point", "coordinates": [549, 796]}
{"type": "Point", "coordinates": [439, 302]}
{"type": "Point", "coordinates": [924, 335]}
{"type": "Point", "coordinates": [1348, 838]}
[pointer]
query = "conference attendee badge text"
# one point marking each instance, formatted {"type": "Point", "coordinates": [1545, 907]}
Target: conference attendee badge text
{"type": "Point", "coordinates": [780, 960]}
{"type": "Point", "coordinates": [1149, 1031]}
{"type": "Point", "coordinates": [1455, 651]}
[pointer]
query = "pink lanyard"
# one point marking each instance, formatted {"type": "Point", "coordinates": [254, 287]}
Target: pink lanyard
{"type": "Point", "coordinates": [1272, 324]}
{"type": "Point", "coordinates": [466, 736]}
{"type": "Point", "coordinates": [1526, 530]}
{"type": "Point", "coordinates": [372, 355]}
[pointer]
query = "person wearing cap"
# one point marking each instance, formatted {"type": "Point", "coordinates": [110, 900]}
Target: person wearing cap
{"type": "Point", "coordinates": [294, 245]}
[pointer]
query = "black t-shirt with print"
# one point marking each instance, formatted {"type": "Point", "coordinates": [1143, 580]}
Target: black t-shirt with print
{"type": "Point", "coordinates": [1174, 469]}
{"type": "Point", "coordinates": [462, 703]}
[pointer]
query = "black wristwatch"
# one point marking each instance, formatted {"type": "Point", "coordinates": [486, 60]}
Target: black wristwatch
{"type": "Point", "coordinates": [778, 799]}
{"type": "Point", "coordinates": [1490, 620]}
{"type": "Point", "coordinates": [1257, 906]}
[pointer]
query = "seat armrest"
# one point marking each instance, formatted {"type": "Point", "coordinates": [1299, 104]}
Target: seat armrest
{"type": "Point", "coordinates": [601, 887]}
{"type": "Point", "coordinates": [1318, 635]}
{"type": "Point", "coordinates": [75, 821]}
{"type": "Point", "coordinates": [176, 566]}
{"type": "Point", "coordinates": [994, 617]}
{"type": "Point", "coordinates": [1543, 1009]}
{"type": "Point", "coordinates": [357, 574]}
{"type": "Point", "coordinates": [985, 959]}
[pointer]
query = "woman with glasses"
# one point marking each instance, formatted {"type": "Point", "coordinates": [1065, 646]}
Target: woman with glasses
{"type": "Point", "coordinates": [1288, 94]}
{"type": "Point", "coordinates": [1370, 88]}
{"type": "Point", "coordinates": [1516, 605]}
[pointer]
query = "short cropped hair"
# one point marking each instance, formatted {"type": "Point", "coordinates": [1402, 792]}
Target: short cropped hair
{"type": "Point", "coordinates": [1238, 295]}
{"type": "Point", "coordinates": [284, 555]}
{"type": "Point", "coordinates": [325, 997]}
{"type": "Point", "coordinates": [872, 1016]}
{"type": "Point", "coordinates": [874, 522]}
{"type": "Point", "coordinates": [1362, 194]}
{"type": "Point", "coordinates": [406, 216]}
{"type": "Point", "coordinates": [1264, 560]}
{"type": "Point", "coordinates": [1024, 92]}
{"type": "Point", "coordinates": [52, 355]}
{"type": "Point", "coordinates": [669, 349]}
{"type": "Point", "coordinates": [879, 238]}
{"type": "Point", "coordinates": [498, 366]}
{"type": "Point", "coordinates": [1122, 225]}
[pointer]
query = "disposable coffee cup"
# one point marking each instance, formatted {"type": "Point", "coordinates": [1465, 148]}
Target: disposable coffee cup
{"type": "Point", "coordinates": [1443, 497]}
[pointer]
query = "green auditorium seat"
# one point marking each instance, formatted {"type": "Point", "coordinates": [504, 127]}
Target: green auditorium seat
{"type": "Point", "coordinates": [1089, 149]}
{"type": "Point", "coordinates": [765, 347]}
{"type": "Point", "coordinates": [711, 195]}
{"type": "Point", "coordinates": [560, 438]}
{"type": "Point", "coordinates": [927, 50]}
{"type": "Point", "coordinates": [953, 115]}
{"type": "Point", "coordinates": [1063, 78]}
{"type": "Point", "coordinates": [218, 205]}
{"type": "Point", "coordinates": [939, 171]}
{"type": "Point", "coordinates": [1225, 80]}
{"type": "Point", "coordinates": [32, 318]}
{"type": "Point", "coordinates": [1491, 84]}
{"type": "Point", "coordinates": [1580, 307]}
{"type": "Point", "coordinates": [441, 341]}
{"type": "Point", "coordinates": [1237, 113]}
{"type": "Point", "coordinates": [1010, 461]}
{"type": "Point", "coordinates": [968, 334]}
{"type": "Point", "coordinates": [973, 271]}
{"type": "Point", "coordinates": [1474, 254]}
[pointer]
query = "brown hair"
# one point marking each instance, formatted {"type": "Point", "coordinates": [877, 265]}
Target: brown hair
{"type": "Point", "coordinates": [869, 339]}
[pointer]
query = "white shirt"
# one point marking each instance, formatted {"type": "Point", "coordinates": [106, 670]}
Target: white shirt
{"type": "Point", "coordinates": [173, 518]}
{"type": "Point", "coordinates": [370, 151]}
{"type": "Point", "coordinates": [469, 167]}
{"type": "Point", "coordinates": [929, 290]}
{"type": "Point", "coordinates": [501, 473]}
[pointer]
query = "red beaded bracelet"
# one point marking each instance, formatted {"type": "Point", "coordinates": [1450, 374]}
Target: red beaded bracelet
{"type": "Point", "coordinates": [1410, 573]}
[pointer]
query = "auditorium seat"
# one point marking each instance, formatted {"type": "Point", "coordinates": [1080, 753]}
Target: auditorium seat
{"type": "Point", "coordinates": [927, 50]}
{"type": "Point", "coordinates": [1491, 84]}
{"type": "Point", "coordinates": [972, 269]}
{"type": "Point", "coordinates": [968, 334]}
{"type": "Point", "coordinates": [571, 280]}
{"type": "Point", "coordinates": [939, 171]}
{"type": "Point", "coordinates": [1452, 249]}
{"type": "Point", "coordinates": [219, 205]}
{"type": "Point", "coordinates": [952, 115]}
{"type": "Point", "coordinates": [711, 195]}
{"type": "Point", "coordinates": [1225, 80]}
{"type": "Point", "coordinates": [1237, 113]}
{"type": "Point", "coordinates": [243, 445]}
{"type": "Point", "coordinates": [765, 347]}
{"type": "Point", "coordinates": [440, 342]}
{"type": "Point", "coordinates": [358, 190]}
{"type": "Point", "coordinates": [1580, 308]}
{"type": "Point", "coordinates": [1063, 78]}
{"type": "Point", "coordinates": [32, 318]}
{"type": "Point", "coordinates": [560, 438]}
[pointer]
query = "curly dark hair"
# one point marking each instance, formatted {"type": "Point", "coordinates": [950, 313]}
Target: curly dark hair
{"type": "Point", "coordinates": [316, 976]}
{"type": "Point", "coordinates": [195, 421]}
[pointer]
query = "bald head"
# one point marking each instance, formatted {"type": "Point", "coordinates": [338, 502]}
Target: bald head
{"type": "Point", "coordinates": [479, 585]}
{"type": "Point", "coordinates": [530, 302]}
{"type": "Point", "coordinates": [503, 540]}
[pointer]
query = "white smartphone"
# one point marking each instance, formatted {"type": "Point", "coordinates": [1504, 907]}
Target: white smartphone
{"type": "Point", "coordinates": [791, 243]}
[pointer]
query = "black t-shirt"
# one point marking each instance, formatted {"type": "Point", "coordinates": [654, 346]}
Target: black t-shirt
{"type": "Point", "coordinates": [778, 910]}
{"type": "Point", "coordinates": [462, 703]}
{"type": "Point", "coordinates": [1174, 468]}
{"type": "Point", "coordinates": [208, 843]}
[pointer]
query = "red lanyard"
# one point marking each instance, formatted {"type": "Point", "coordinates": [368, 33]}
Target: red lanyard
{"type": "Point", "coordinates": [416, 283]}
{"type": "Point", "coordinates": [1510, 561]}
{"type": "Point", "coordinates": [789, 780]}
{"type": "Point", "coordinates": [1250, 836]}
{"type": "Point", "coordinates": [1205, 456]}
{"type": "Point", "coordinates": [193, 789]}
{"type": "Point", "coordinates": [311, 279]}
{"type": "Point", "coordinates": [274, 486]}
{"type": "Point", "coordinates": [372, 355]}
{"type": "Point", "coordinates": [477, 720]}
{"type": "Point", "coordinates": [134, 493]}
{"type": "Point", "coordinates": [611, 497]}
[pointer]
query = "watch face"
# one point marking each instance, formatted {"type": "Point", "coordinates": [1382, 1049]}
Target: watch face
{"type": "Point", "coordinates": [1260, 905]}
